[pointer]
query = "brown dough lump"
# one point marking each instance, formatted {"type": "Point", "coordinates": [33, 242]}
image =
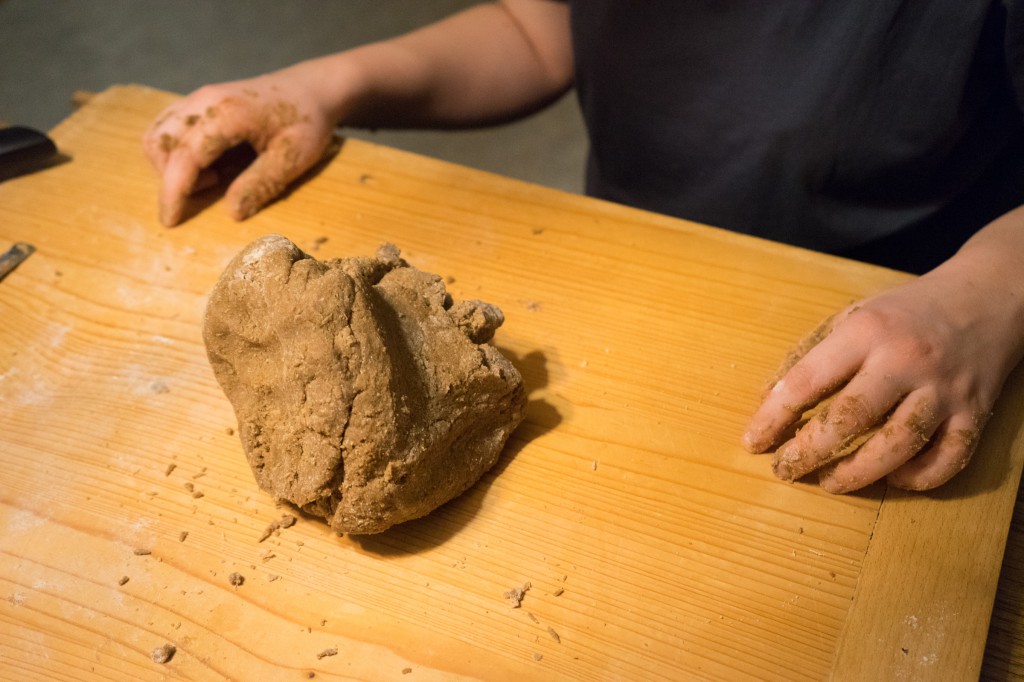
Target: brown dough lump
{"type": "Point", "coordinates": [364, 394]}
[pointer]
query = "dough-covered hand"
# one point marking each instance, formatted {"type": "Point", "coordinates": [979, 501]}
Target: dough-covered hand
{"type": "Point", "coordinates": [902, 384]}
{"type": "Point", "coordinates": [277, 114]}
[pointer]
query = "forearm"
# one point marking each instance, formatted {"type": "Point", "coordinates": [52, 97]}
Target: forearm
{"type": "Point", "coordinates": [490, 63]}
{"type": "Point", "coordinates": [988, 272]}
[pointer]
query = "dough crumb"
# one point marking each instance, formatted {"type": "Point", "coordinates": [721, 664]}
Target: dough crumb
{"type": "Point", "coordinates": [236, 580]}
{"type": "Point", "coordinates": [327, 652]}
{"type": "Point", "coordinates": [286, 521]}
{"type": "Point", "coordinates": [124, 580]}
{"type": "Point", "coordinates": [554, 635]}
{"type": "Point", "coordinates": [515, 596]}
{"type": "Point", "coordinates": [163, 654]}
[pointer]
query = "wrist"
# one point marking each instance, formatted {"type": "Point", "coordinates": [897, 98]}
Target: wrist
{"type": "Point", "coordinates": [335, 84]}
{"type": "Point", "coordinates": [987, 278]}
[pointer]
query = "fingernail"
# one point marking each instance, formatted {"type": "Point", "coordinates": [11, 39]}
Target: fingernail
{"type": "Point", "coordinates": [752, 444]}
{"type": "Point", "coordinates": [782, 470]}
{"type": "Point", "coordinates": [783, 463]}
{"type": "Point", "coordinates": [246, 206]}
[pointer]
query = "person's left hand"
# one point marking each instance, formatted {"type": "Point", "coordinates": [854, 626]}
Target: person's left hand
{"type": "Point", "coordinates": [909, 375]}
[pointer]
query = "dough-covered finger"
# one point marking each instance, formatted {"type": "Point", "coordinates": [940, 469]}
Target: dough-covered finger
{"type": "Point", "coordinates": [862, 404]}
{"type": "Point", "coordinates": [282, 161]}
{"type": "Point", "coordinates": [823, 366]}
{"type": "Point", "coordinates": [950, 451]}
{"type": "Point", "coordinates": [187, 171]}
{"type": "Point", "coordinates": [804, 346]}
{"type": "Point", "coordinates": [904, 434]}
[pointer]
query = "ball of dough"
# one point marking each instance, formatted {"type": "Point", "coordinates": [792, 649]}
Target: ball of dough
{"type": "Point", "coordinates": [364, 394]}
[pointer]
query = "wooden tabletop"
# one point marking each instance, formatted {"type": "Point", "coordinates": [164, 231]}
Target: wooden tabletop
{"type": "Point", "coordinates": [653, 546]}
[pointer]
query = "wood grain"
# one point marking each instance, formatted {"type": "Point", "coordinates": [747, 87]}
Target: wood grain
{"type": "Point", "coordinates": [655, 547]}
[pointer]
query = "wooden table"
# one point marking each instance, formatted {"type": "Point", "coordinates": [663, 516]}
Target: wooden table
{"type": "Point", "coordinates": [654, 546]}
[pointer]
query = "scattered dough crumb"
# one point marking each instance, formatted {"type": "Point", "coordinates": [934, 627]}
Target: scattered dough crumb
{"type": "Point", "coordinates": [538, 656]}
{"type": "Point", "coordinates": [124, 579]}
{"type": "Point", "coordinates": [139, 551]}
{"type": "Point", "coordinates": [406, 671]}
{"type": "Point", "coordinates": [170, 468]}
{"type": "Point", "coordinates": [230, 431]}
{"type": "Point", "coordinates": [159, 387]}
{"type": "Point", "coordinates": [515, 596]}
{"type": "Point", "coordinates": [271, 578]}
{"type": "Point", "coordinates": [327, 652]}
{"type": "Point", "coordinates": [593, 465]}
{"type": "Point", "coordinates": [236, 579]}
{"type": "Point", "coordinates": [182, 535]}
{"type": "Point", "coordinates": [558, 592]}
{"type": "Point", "coordinates": [533, 618]}
{"type": "Point", "coordinates": [163, 654]}
{"type": "Point", "coordinates": [286, 521]}
{"type": "Point", "coordinates": [554, 635]}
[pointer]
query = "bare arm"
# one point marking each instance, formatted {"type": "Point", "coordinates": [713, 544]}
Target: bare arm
{"type": "Point", "coordinates": [491, 63]}
{"type": "Point", "coordinates": [488, 64]}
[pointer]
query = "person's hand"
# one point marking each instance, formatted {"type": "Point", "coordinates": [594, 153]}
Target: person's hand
{"type": "Point", "coordinates": [276, 114]}
{"type": "Point", "coordinates": [904, 381]}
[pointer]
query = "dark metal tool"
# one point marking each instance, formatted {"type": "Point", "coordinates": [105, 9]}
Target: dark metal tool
{"type": "Point", "coordinates": [14, 257]}
{"type": "Point", "coordinates": [22, 150]}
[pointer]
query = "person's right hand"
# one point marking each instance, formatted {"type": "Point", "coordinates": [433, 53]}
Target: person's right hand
{"type": "Point", "coordinates": [277, 114]}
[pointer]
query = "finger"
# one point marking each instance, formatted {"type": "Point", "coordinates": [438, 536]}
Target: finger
{"type": "Point", "coordinates": [905, 433]}
{"type": "Point", "coordinates": [280, 162]}
{"type": "Point", "coordinates": [803, 347]}
{"type": "Point", "coordinates": [180, 176]}
{"type": "Point", "coordinates": [818, 373]}
{"type": "Point", "coordinates": [950, 451]}
{"type": "Point", "coordinates": [184, 172]}
{"type": "Point", "coordinates": [830, 434]}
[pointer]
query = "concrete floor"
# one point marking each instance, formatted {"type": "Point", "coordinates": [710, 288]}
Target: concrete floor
{"type": "Point", "coordinates": [50, 48]}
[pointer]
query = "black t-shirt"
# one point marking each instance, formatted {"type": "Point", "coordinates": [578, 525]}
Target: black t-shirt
{"type": "Point", "coordinates": [884, 130]}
